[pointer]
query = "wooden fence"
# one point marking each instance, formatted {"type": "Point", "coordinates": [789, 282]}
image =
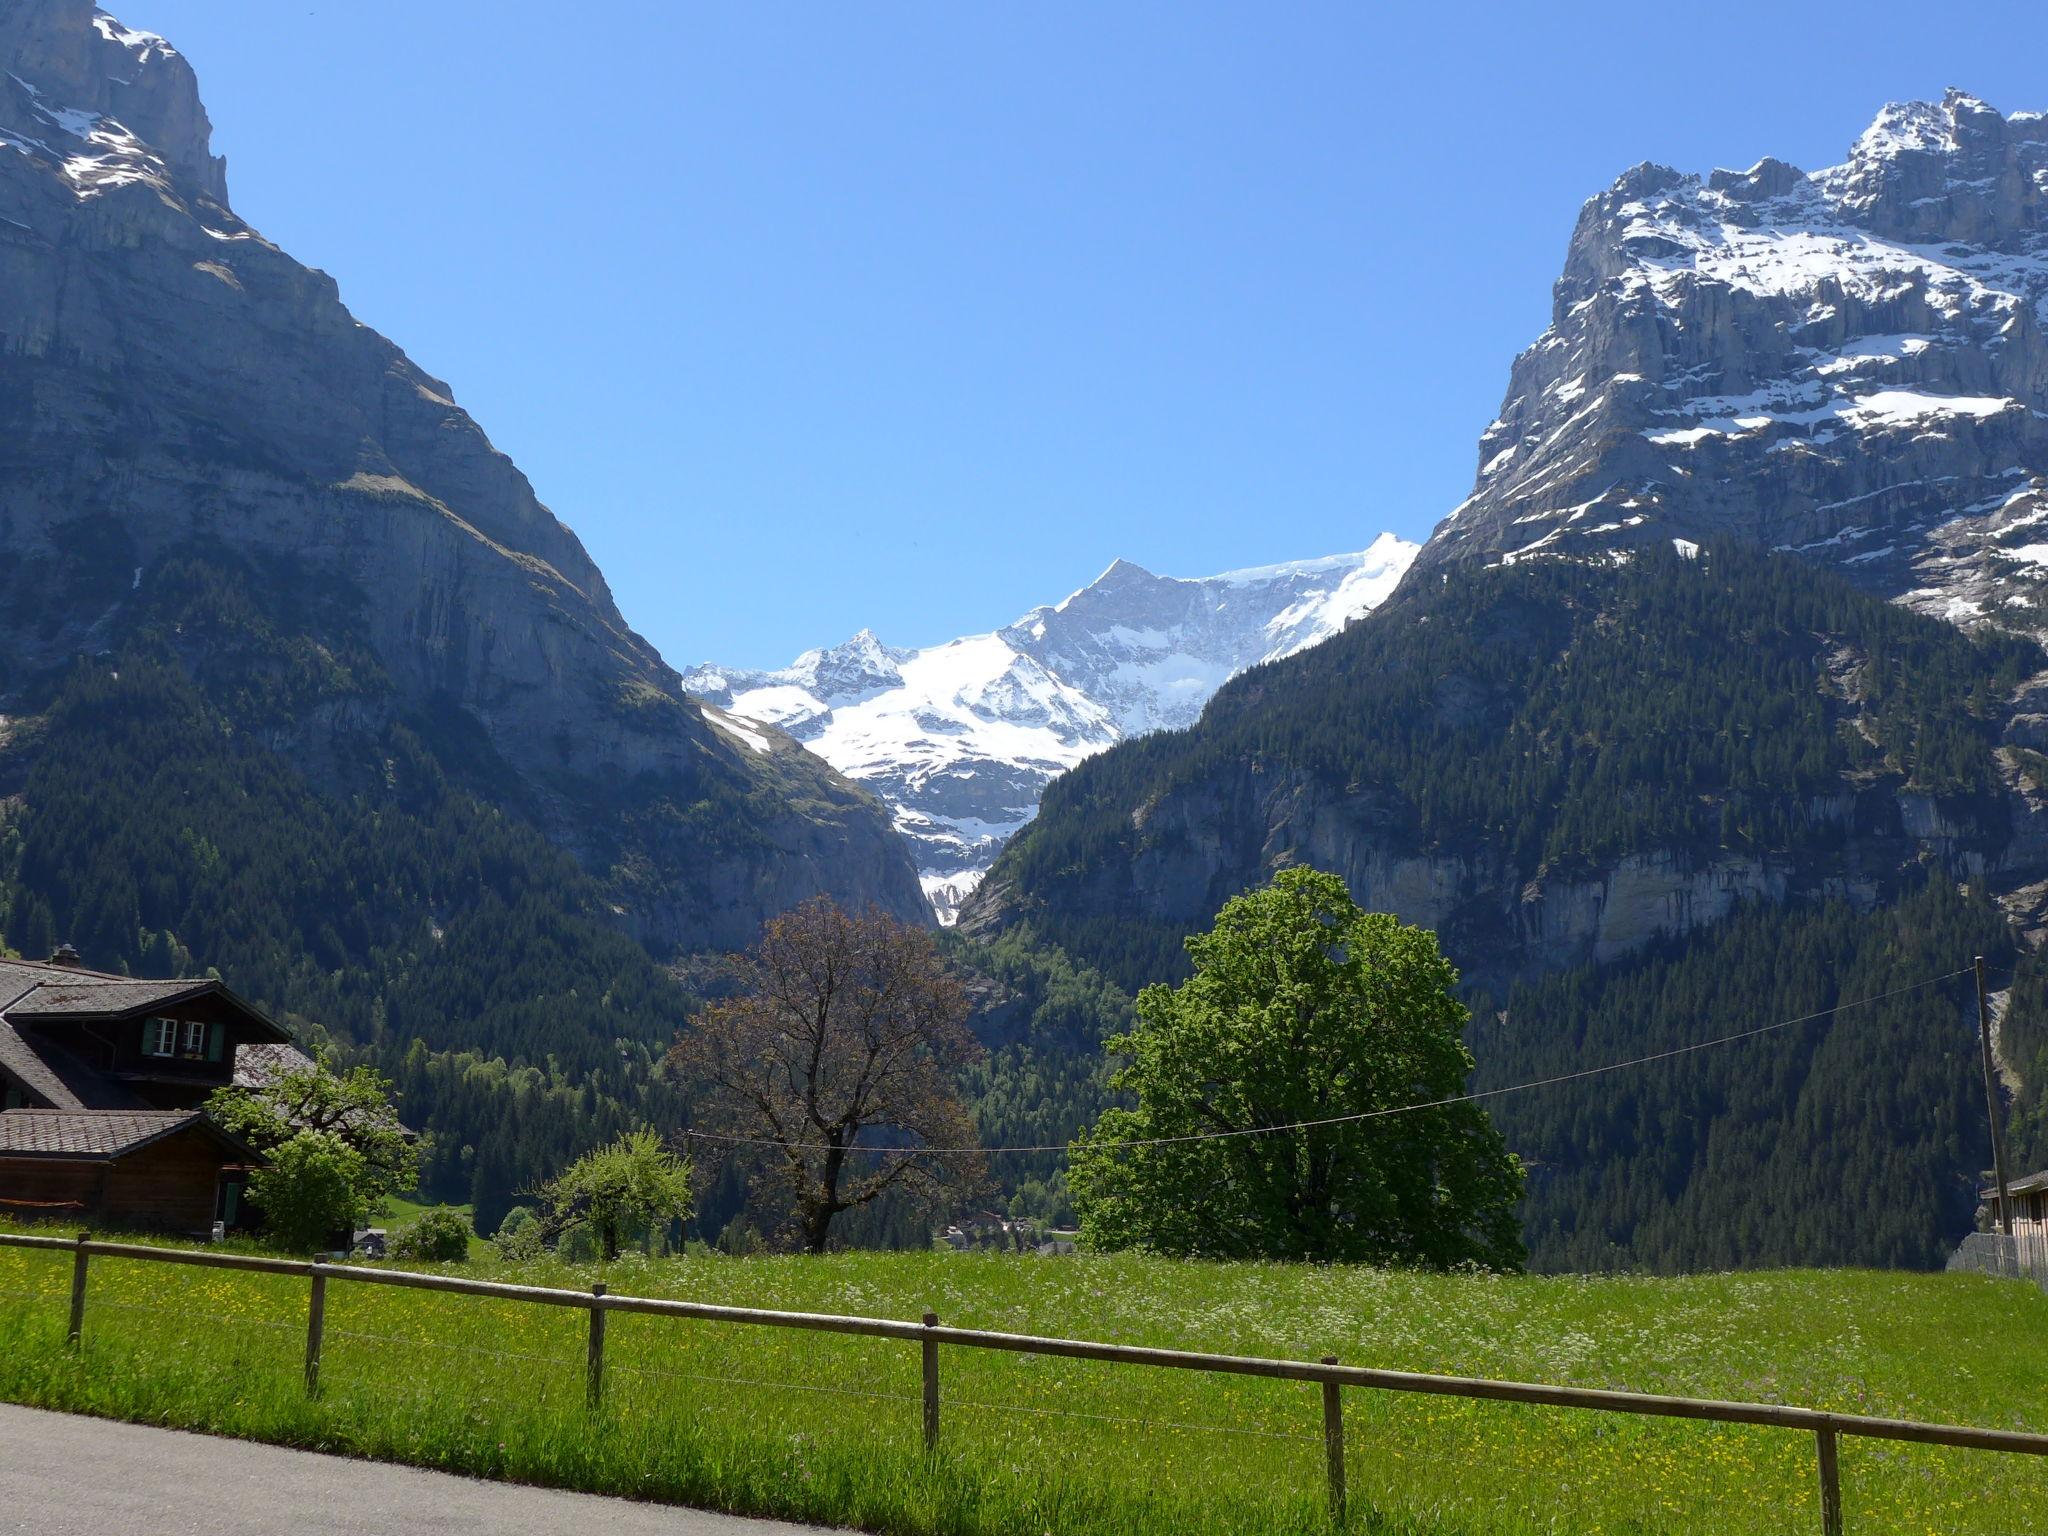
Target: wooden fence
{"type": "Point", "coordinates": [1327, 1373]}
{"type": "Point", "coordinates": [2021, 1254]}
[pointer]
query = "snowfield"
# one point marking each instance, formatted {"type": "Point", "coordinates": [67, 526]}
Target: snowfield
{"type": "Point", "coordinates": [960, 739]}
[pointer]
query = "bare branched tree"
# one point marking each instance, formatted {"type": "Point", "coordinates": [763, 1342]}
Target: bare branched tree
{"type": "Point", "coordinates": [838, 1055]}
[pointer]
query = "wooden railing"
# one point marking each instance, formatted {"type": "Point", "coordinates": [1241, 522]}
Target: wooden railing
{"type": "Point", "coordinates": [1327, 1373]}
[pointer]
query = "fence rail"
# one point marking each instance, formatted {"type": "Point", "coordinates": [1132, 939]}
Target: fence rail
{"type": "Point", "coordinates": [1328, 1373]}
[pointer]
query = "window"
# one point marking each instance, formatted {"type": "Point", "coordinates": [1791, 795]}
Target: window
{"type": "Point", "coordinates": [183, 1039]}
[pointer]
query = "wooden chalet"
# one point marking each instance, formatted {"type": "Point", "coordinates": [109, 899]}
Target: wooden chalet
{"type": "Point", "coordinates": [102, 1078]}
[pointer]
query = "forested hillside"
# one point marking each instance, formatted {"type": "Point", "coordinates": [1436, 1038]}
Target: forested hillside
{"type": "Point", "coordinates": [1851, 1138]}
{"type": "Point", "coordinates": [152, 820]}
{"type": "Point", "coordinates": [1489, 745]}
{"type": "Point", "coordinates": [1646, 804]}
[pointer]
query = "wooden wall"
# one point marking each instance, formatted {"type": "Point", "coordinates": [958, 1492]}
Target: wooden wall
{"type": "Point", "coordinates": [168, 1186]}
{"type": "Point", "coordinates": [50, 1182]}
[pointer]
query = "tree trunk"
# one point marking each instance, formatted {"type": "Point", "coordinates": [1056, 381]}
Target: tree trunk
{"type": "Point", "coordinates": [818, 1219]}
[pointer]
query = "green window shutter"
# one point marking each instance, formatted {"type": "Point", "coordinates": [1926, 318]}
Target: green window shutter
{"type": "Point", "coordinates": [216, 1042]}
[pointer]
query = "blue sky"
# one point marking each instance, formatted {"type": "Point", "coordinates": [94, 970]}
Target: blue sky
{"type": "Point", "coordinates": [912, 316]}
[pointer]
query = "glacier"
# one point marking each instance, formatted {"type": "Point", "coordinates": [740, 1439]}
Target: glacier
{"type": "Point", "coordinates": [960, 739]}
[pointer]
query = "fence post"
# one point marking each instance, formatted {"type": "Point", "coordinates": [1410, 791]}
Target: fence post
{"type": "Point", "coordinates": [1333, 1442]}
{"type": "Point", "coordinates": [1830, 1483]}
{"type": "Point", "coordinates": [316, 1328]}
{"type": "Point", "coordinates": [78, 1287]}
{"type": "Point", "coordinates": [931, 1385]}
{"type": "Point", "coordinates": [597, 1344]}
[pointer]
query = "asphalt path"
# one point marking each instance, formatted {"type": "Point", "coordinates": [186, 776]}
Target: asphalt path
{"type": "Point", "coordinates": [67, 1476]}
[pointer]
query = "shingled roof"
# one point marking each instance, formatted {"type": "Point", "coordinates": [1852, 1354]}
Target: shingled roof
{"type": "Point", "coordinates": [258, 1066]}
{"type": "Point", "coordinates": [95, 1133]}
{"type": "Point", "coordinates": [39, 992]}
{"type": "Point", "coordinates": [18, 1057]}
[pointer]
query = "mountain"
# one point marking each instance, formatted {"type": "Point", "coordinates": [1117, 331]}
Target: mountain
{"type": "Point", "coordinates": [961, 739]}
{"type": "Point", "coordinates": [1718, 701]}
{"type": "Point", "coordinates": [300, 680]}
{"type": "Point", "coordinates": [1848, 364]}
{"type": "Point", "coordinates": [177, 393]}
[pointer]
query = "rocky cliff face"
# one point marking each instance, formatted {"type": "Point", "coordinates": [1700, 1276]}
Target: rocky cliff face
{"type": "Point", "coordinates": [961, 739]}
{"type": "Point", "coordinates": [1849, 364]}
{"type": "Point", "coordinates": [170, 381]}
{"type": "Point", "coordinates": [1847, 367]}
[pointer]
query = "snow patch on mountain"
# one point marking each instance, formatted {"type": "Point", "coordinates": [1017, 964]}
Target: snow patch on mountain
{"type": "Point", "coordinates": [960, 739]}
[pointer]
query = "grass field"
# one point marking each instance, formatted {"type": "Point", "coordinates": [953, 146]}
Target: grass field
{"type": "Point", "coordinates": [827, 1428]}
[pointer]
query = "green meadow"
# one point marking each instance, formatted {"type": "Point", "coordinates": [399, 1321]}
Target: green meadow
{"type": "Point", "coordinates": [824, 1428]}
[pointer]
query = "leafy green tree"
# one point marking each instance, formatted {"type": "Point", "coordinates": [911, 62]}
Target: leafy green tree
{"type": "Point", "coordinates": [634, 1183]}
{"type": "Point", "coordinates": [1302, 1008]}
{"type": "Point", "coordinates": [352, 1107]}
{"type": "Point", "coordinates": [311, 1191]}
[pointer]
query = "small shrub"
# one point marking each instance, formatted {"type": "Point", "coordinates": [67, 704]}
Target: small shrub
{"type": "Point", "coordinates": [520, 1243]}
{"type": "Point", "coordinates": [440, 1236]}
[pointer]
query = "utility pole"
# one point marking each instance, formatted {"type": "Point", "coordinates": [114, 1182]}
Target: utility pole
{"type": "Point", "coordinates": [1991, 1102]}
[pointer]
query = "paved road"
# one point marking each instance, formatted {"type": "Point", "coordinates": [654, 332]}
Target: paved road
{"type": "Point", "coordinates": [65, 1476]}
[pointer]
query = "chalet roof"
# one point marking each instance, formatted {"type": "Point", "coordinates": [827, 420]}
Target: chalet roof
{"type": "Point", "coordinates": [2023, 1186]}
{"type": "Point", "coordinates": [96, 1133]}
{"type": "Point", "coordinates": [258, 1065]}
{"type": "Point", "coordinates": [18, 1057]}
{"type": "Point", "coordinates": [37, 992]}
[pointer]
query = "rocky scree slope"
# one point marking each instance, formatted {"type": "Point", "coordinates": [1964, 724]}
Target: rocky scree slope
{"type": "Point", "coordinates": [174, 385]}
{"type": "Point", "coordinates": [961, 739]}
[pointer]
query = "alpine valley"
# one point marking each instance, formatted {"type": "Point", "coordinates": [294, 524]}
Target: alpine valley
{"type": "Point", "coordinates": [1720, 702]}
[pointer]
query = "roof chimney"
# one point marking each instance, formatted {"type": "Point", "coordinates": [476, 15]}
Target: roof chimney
{"type": "Point", "coordinates": [64, 954]}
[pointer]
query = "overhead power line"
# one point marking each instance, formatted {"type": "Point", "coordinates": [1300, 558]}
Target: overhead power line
{"type": "Point", "coordinates": [1369, 1114]}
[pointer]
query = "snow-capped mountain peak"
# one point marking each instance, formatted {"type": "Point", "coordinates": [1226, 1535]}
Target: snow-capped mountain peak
{"type": "Point", "coordinates": [961, 738]}
{"type": "Point", "coordinates": [1850, 363]}
{"type": "Point", "coordinates": [852, 670]}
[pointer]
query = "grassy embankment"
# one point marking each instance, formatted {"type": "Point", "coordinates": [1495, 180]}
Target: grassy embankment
{"type": "Point", "coordinates": [826, 1428]}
